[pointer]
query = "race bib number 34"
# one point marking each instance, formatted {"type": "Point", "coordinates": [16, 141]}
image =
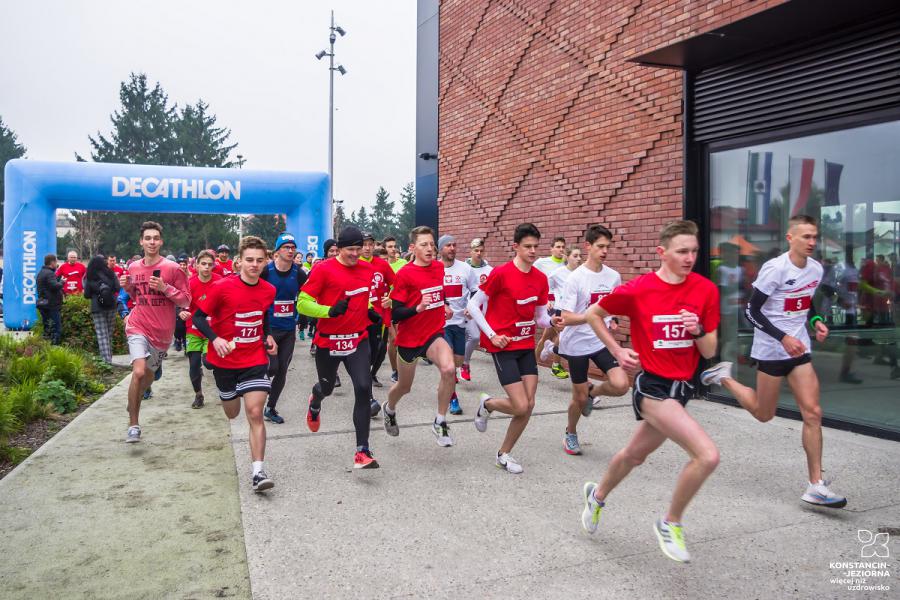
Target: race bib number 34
{"type": "Point", "coordinates": [797, 304]}
{"type": "Point", "coordinates": [669, 332]}
{"type": "Point", "coordinates": [284, 308]}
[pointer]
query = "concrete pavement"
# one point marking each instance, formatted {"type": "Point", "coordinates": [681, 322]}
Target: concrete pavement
{"type": "Point", "coordinates": [174, 517]}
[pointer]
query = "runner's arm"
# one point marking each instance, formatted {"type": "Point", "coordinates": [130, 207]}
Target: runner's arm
{"type": "Point", "coordinates": [400, 311]}
{"type": "Point", "coordinates": [267, 328]}
{"type": "Point", "coordinates": [307, 305]}
{"type": "Point", "coordinates": [542, 317]}
{"type": "Point", "coordinates": [758, 319]}
{"type": "Point", "coordinates": [180, 295]}
{"type": "Point", "coordinates": [813, 315]}
{"type": "Point", "coordinates": [203, 325]}
{"type": "Point", "coordinates": [474, 308]}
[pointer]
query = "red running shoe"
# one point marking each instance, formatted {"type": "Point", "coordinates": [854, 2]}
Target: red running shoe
{"type": "Point", "coordinates": [464, 373]}
{"type": "Point", "coordinates": [312, 418]}
{"type": "Point", "coordinates": [364, 460]}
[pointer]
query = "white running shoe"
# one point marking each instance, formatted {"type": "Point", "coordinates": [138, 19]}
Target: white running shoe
{"type": "Point", "coordinates": [508, 464]}
{"type": "Point", "coordinates": [441, 432]}
{"type": "Point", "coordinates": [820, 495]}
{"type": "Point", "coordinates": [715, 374]}
{"type": "Point", "coordinates": [134, 434]}
{"type": "Point", "coordinates": [482, 414]}
{"type": "Point", "coordinates": [590, 516]}
{"type": "Point", "coordinates": [547, 350]}
{"type": "Point", "coordinates": [671, 540]}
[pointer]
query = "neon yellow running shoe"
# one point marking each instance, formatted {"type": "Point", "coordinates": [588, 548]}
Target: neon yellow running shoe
{"type": "Point", "coordinates": [590, 516]}
{"type": "Point", "coordinates": [671, 540]}
{"type": "Point", "coordinates": [558, 371]}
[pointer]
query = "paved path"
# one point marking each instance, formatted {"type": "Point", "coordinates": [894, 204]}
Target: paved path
{"type": "Point", "coordinates": [174, 517]}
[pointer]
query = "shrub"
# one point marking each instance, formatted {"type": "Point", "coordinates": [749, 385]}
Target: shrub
{"type": "Point", "coordinates": [25, 368]}
{"type": "Point", "coordinates": [78, 327]}
{"type": "Point", "coordinates": [66, 366]}
{"type": "Point", "coordinates": [8, 345]}
{"type": "Point", "coordinates": [53, 392]}
{"type": "Point", "coordinates": [9, 423]}
{"type": "Point", "coordinates": [24, 406]}
{"type": "Point", "coordinates": [15, 454]}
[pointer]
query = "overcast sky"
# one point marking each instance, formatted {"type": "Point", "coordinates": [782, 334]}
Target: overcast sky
{"type": "Point", "coordinates": [252, 62]}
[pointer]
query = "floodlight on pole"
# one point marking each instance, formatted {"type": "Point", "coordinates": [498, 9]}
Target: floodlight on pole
{"type": "Point", "coordinates": [331, 69]}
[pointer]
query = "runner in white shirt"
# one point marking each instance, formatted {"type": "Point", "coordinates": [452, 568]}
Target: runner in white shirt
{"type": "Point", "coordinates": [548, 265]}
{"type": "Point", "coordinates": [473, 335]}
{"type": "Point", "coordinates": [558, 278]}
{"type": "Point", "coordinates": [460, 282]}
{"type": "Point", "coordinates": [780, 309]}
{"type": "Point", "coordinates": [577, 343]}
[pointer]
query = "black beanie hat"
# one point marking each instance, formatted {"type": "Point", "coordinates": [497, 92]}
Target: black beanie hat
{"type": "Point", "coordinates": [350, 236]}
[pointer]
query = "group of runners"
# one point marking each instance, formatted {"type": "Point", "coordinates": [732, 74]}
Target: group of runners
{"type": "Point", "coordinates": [439, 309]}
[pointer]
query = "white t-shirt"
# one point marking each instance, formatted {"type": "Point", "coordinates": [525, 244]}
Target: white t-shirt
{"type": "Point", "coordinates": [460, 282]}
{"type": "Point", "coordinates": [729, 281]}
{"type": "Point", "coordinates": [548, 264]}
{"type": "Point", "coordinates": [582, 289]}
{"type": "Point", "coordinates": [557, 280]}
{"type": "Point", "coordinates": [790, 290]}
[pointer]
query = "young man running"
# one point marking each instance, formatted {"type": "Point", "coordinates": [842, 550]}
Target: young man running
{"type": "Point", "coordinates": [516, 296]}
{"type": "Point", "coordinates": [337, 295]}
{"type": "Point", "coordinates": [780, 309]}
{"type": "Point", "coordinates": [287, 278]}
{"type": "Point", "coordinates": [577, 343]}
{"type": "Point", "coordinates": [674, 314]}
{"type": "Point", "coordinates": [224, 265]}
{"type": "Point", "coordinates": [157, 286]}
{"type": "Point", "coordinates": [460, 282]}
{"type": "Point", "coordinates": [420, 311]}
{"type": "Point", "coordinates": [197, 345]}
{"type": "Point", "coordinates": [397, 262]}
{"type": "Point", "coordinates": [382, 280]}
{"type": "Point", "coordinates": [241, 338]}
{"type": "Point", "coordinates": [547, 265]}
{"type": "Point", "coordinates": [482, 269]}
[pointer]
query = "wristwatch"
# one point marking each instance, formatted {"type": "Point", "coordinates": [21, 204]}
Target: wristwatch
{"type": "Point", "coordinates": [699, 334]}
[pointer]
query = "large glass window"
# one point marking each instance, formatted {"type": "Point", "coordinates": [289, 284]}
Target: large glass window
{"type": "Point", "coordinates": [850, 182]}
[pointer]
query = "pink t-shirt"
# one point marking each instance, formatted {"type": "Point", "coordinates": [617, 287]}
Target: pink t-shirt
{"type": "Point", "coordinates": [154, 312]}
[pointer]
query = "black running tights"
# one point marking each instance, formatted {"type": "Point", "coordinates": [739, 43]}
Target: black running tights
{"type": "Point", "coordinates": [195, 360]}
{"type": "Point", "coordinates": [278, 364]}
{"type": "Point", "coordinates": [357, 365]}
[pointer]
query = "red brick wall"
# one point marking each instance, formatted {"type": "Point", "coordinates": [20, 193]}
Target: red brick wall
{"type": "Point", "coordinates": [542, 118]}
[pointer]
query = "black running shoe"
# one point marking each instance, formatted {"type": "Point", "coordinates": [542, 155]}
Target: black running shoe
{"type": "Point", "coordinates": [337, 381]}
{"type": "Point", "coordinates": [198, 401]}
{"type": "Point", "coordinates": [375, 382]}
{"type": "Point", "coordinates": [261, 482]}
{"type": "Point", "coordinates": [374, 408]}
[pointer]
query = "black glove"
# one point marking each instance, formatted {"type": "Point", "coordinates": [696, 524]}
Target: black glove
{"type": "Point", "coordinates": [339, 308]}
{"type": "Point", "coordinates": [374, 317]}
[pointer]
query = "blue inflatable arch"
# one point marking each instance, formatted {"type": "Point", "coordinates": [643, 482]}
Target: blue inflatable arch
{"type": "Point", "coordinates": [34, 190]}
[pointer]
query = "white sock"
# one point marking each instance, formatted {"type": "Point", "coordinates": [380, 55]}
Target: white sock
{"type": "Point", "coordinates": [440, 419]}
{"type": "Point", "coordinates": [257, 467]}
{"type": "Point", "coordinates": [388, 409]}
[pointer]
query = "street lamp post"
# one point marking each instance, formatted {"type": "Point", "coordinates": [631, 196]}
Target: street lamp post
{"type": "Point", "coordinates": [240, 164]}
{"type": "Point", "coordinates": [334, 29]}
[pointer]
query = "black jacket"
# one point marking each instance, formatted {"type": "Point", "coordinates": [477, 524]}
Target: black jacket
{"type": "Point", "coordinates": [49, 287]}
{"type": "Point", "coordinates": [92, 289]}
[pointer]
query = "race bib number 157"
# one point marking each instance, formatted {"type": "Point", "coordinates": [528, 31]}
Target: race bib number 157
{"type": "Point", "coordinates": [669, 332]}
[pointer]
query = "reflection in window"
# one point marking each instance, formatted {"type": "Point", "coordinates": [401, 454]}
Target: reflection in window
{"type": "Point", "coordinates": [850, 182]}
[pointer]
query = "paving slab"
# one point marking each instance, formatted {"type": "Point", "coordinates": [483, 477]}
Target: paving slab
{"type": "Point", "coordinates": [445, 523]}
{"type": "Point", "coordinates": [88, 516]}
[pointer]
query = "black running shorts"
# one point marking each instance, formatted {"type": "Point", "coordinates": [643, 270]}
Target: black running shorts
{"type": "Point", "coordinates": [782, 368]}
{"type": "Point", "coordinates": [512, 365]}
{"type": "Point", "coordinates": [579, 365]}
{"type": "Point", "coordinates": [411, 355]}
{"type": "Point", "coordinates": [234, 383]}
{"type": "Point", "coordinates": [654, 387]}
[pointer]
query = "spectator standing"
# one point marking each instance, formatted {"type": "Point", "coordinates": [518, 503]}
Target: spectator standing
{"type": "Point", "coordinates": [50, 298]}
{"type": "Point", "coordinates": [101, 287]}
{"type": "Point", "coordinates": [72, 273]}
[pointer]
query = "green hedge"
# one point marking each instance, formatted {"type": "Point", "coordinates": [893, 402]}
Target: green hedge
{"type": "Point", "coordinates": [78, 327]}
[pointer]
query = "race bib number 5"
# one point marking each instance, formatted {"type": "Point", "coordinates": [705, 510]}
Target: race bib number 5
{"type": "Point", "coordinates": [343, 345]}
{"type": "Point", "coordinates": [797, 304]}
{"type": "Point", "coordinates": [669, 332]}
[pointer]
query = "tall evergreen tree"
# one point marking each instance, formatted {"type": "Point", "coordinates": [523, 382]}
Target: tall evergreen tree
{"type": "Point", "coordinates": [361, 219]}
{"type": "Point", "coordinates": [10, 148]}
{"type": "Point", "coordinates": [383, 221]}
{"type": "Point", "coordinates": [407, 217]}
{"type": "Point", "coordinates": [340, 219]}
{"type": "Point", "coordinates": [146, 129]}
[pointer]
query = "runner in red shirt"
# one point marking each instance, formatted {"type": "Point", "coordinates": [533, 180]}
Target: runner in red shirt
{"type": "Point", "coordinates": [674, 315]}
{"type": "Point", "coordinates": [516, 294]}
{"type": "Point", "coordinates": [382, 280]}
{"type": "Point", "coordinates": [224, 264]}
{"type": "Point", "coordinates": [157, 286]}
{"type": "Point", "coordinates": [72, 273]}
{"type": "Point", "coordinates": [112, 264]}
{"type": "Point", "coordinates": [240, 338]}
{"type": "Point", "coordinates": [420, 310]}
{"type": "Point", "coordinates": [337, 295]}
{"type": "Point", "coordinates": [195, 343]}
